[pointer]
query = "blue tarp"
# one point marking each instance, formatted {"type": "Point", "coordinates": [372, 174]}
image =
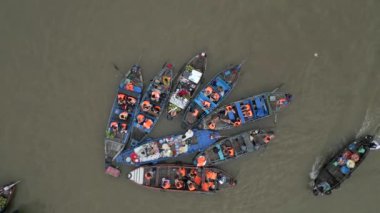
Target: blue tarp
{"type": "Point", "coordinates": [220, 152]}
{"type": "Point", "coordinates": [240, 113]}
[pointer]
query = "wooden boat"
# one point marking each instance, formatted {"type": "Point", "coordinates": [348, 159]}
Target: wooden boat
{"type": "Point", "coordinates": [180, 178]}
{"type": "Point", "coordinates": [152, 151]}
{"type": "Point", "coordinates": [123, 111]}
{"type": "Point", "coordinates": [7, 193]}
{"type": "Point", "coordinates": [187, 84]}
{"type": "Point", "coordinates": [152, 104]}
{"type": "Point", "coordinates": [340, 167]}
{"type": "Point", "coordinates": [245, 111]}
{"type": "Point", "coordinates": [234, 147]}
{"type": "Point", "coordinates": [211, 95]}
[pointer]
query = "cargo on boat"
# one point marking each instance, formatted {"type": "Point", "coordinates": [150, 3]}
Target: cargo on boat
{"type": "Point", "coordinates": [169, 147]}
{"type": "Point", "coordinates": [245, 111]}
{"type": "Point", "coordinates": [152, 105]}
{"type": "Point", "coordinates": [122, 113]}
{"type": "Point", "coordinates": [7, 193]}
{"type": "Point", "coordinates": [211, 95]}
{"type": "Point", "coordinates": [182, 178]}
{"type": "Point", "coordinates": [187, 84]}
{"type": "Point", "coordinates": [233, 147]}
{"type": "Point", "coordinates": [341, 166]}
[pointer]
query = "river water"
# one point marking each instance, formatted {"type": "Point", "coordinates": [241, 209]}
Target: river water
{"type": "Point", "coordinates": [57, 85]}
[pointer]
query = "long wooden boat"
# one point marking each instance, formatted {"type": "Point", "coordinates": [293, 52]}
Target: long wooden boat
{"type": "Point", "coordinates": [245, 111]}
{"type": "Point", "coordinates": [7, 193]}
{"type": "Point", "coordinates": [123, 112]}
{"type": "Point", "coordinates": [211, 95]}
{"type": "Point", "coordinates": [234, 147]}
{"type": "Point", "coordinates": [341, 166]}
{"type": "Point", "coordinates": [152, 151]}
{"type": "Point", "coordinates": [178, 178]}
{"type": "Point", "coordinates": [152, 104]}
{"type": "Point", "coordinates": [187, 84]}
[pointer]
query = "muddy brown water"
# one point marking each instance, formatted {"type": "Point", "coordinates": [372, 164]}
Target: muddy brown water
{"type": "Point", "coordinates": [57, 85]}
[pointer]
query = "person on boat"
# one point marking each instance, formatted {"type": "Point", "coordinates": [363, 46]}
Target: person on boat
{"type": "Point", "coordinates": [322, 188]}
{"type": "Point", "coordinates": [268, 138]}
{"type": "Point", "coordinates": [155, 96]}
{"type": "Point", "coordinates": [208, 91]}
{"type": "Point", "coordinates": [245, 107]}
{"type": "Point", "coordinates": [237, 122]}
{"type": "Point", "coordinates": [123, 128]}
{"type": "Point", "coordinates": [201, 161]}
{"type": "Point", "coordinates": [129, 87]}
{"type": "Point", "coordinates": [123, 115]}
{"type": "Point", "coordinates": [179, 184]}
{"type": "Point", "coordinates": [165, 183]}
{"type": "Point", "coordinates": [148, 123]}
{"type": "Point", "coordinates": [228, 110]}
{"type": "Point", "coordinates": [228, 150]}
{"type": "Point", "coordinates": [140, 119]}
{"type": "Point", "coordinates": [211, 125]}
{"type": "Point", "coordinates": [148, 175]}
{"type": "Point", "coordinates": [247, 114]}
{"type": "Point", "coordinates": [121, 99]}
{"type": "Point", "coordinates": [206, 104]}
{"type": "Point", "coordinates": [211, 175]}
{"type": "Point", "coordinates": [146, 106]}
{"type": "Point", "coordinates": [221, 91]}
{"type": "Point", "coordinates": [131, 100]}
{"type": "Point", "coordinates": [215, 97]}
{"type": "Point", "coordinates": [181, 172]}
{"type": "Point", "coordinates": [195, 113]}
{"type": "Point", "coordinates": [374, 145]}
{"type": "Point", "coordinates": [191, 185]}
{"type": "Point", "coordinates": [205, 186]}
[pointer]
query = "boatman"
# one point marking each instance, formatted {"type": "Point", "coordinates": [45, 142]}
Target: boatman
{"type": "Point", "coordinates": [374, 145]}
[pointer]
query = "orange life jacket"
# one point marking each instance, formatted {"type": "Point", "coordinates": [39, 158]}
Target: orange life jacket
{"type": "Point", "coordinates": [120, 97]}
{"type": "Point", "coordinates": [123, 115]}
{"type": "Point", "coordinates": [179, 184]}
{"type": "Point", "coordinates": [124, 126]}
{"type": "Point", "coordinates": [197, 180]}
{"type": "Point", "coordinates": [248, 113]}
{"type": "Point", "coordinates": [166, 184]}
{"type": "Point", "coordinates": [114, 125]}
{"type": "Point", "coordinates": [237, 123]}
{"type": "Point", "coordinates": [205, 187]}
{"type": "Point", "coordinates": [148, 124]}
{"type": "Point", "coordinates": [230, 151]}
{"type": "Point", "coordinates": [182, 171]}
{"type": "Point", "coordinates": [201, 161]}
{"type": "Point", "coordinates": [191, 186]}
{"type": "Point", "coordinates": [228, 108]}
{"type": "Point", "coordinates": [211, 125]}
{"type": "Point", "coordinates": [140, 118]}
{"type": "Point", "coordinates": [129, 87]}
{"type": "Point", "coordinates": [206, 104]}
{"type": "Point", "coordinates": [211, 175]}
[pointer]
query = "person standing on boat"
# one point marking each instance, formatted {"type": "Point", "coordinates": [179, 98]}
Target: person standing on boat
{"type": "Point", "coordinates": [374, 145]}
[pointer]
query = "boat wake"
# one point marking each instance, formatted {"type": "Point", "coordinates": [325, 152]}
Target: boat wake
{"type": "Point", "coordinates": [316, 167]}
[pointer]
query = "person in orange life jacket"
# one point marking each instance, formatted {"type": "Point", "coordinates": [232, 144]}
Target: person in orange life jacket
{"type": "Point", "coordinates": [201, 161]}
{"type": "Point", "coordinates": [140, 119]}
{"type": "Point", "coordinates": [208, 91]}
{"type": "Point", "coordinates": [123, 128]}
{"type": "Point", "coordinates": [148, 123]}
{"type": "Point", "coordinates": [146, 106]}
{"type": "Point", "coordinates": [228, 150]}
{"type": "Point", "coordinates": [123, 115]}
{"type": "Point", "coordinates": [165, 183]}
{"type": "Point", "coordinates": [191, 185]}
{"type": "Point", "coordinates": [179, 184]}
{"type": "Point", "coordinates": [121, 99]}
{"type": "Point", "coordinates": [155, 96]}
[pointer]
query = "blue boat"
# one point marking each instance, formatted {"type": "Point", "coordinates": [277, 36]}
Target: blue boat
{"type": "Point", "coordinates": [187, 84]}
{"type": "Point", "coordinates": [211, 96]}
{"type": "Point", "coordinates": [123, 111]}
{"type": "Point", "coordinates": [152, 104]}
{"type": "Point", "coordinates": [246, 111]}
{"type": "Point", "coordinates": [153, 151]}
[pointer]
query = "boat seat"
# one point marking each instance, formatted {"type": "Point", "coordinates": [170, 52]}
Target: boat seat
{"type": "Point", "coordinates": [220, 152]}
{"type": "Point", "coordinates": [260, 112]}
{"type": "Point", "coordinates": [221, 83]}
{"type": "Point", "coordinates": [231, 116]}
{"type": "Point", "coordinates": [240, 113]}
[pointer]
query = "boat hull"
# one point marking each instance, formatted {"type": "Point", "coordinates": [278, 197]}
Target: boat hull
{"type": "Point", "coordinates": [210, 97]}
{"type": "Point", "coordinates": [123, 111]}
{"type": "Point", "coordinates": [234, 147]}
{"type": "Point", "coordinates": [246, 111]}
{"type": "Point", "coordinates": [6, 196]}
{"type": "Point", "coordinates": [187, 84]}
{"type": "Point", "coordinates": [181, 178]}
{"type": "Point", "coordinates": [341, 166]}
{"type": "Point", "coordinates": [152, 151]}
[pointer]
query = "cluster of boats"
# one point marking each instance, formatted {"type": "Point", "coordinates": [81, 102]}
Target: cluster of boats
{"type": "Point", "coordinates": [135, 112]}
